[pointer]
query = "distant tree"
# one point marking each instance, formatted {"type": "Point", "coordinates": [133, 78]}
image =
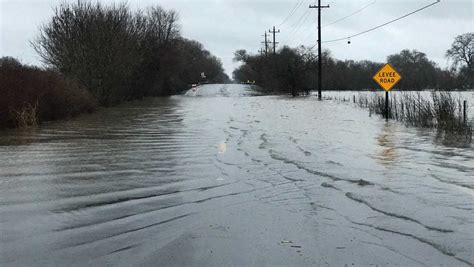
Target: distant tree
{"type": "Point", "coordinates": [291, 70]}
{"type": "Point", "coordinates": [244, 73]}
{"type": "Point", "coordinates": [285, 72]}
{"type": "Point", "coordinates": [295, 71]}
{"type": "Point", "coordinates": [9, 62]}
{"type": "Point", "coordinates": [193, 61]}
{"type": "Point", "coordinates": [240, 56]}
{"type": "Point", "coordinates": [462, 50]}
{"type": "Point", "coordinates": [462, 54]}
{"type": "Point", "coordinates": [417, 70]}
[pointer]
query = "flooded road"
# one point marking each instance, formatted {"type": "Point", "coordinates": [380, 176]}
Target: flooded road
{"type": "Point", "coordinates": [218, 177]}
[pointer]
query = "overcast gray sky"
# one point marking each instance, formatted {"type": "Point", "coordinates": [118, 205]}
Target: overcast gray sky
{"type": "Point", "coordinates": [224, 26]}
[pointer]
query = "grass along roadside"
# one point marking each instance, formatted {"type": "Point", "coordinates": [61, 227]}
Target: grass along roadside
{"type": "Point", "coordinates": [441, 110]}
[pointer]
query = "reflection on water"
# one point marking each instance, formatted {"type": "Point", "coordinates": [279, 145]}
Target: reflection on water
{"type": "Point", "coordinates": [222, 147]}
{"type": "Point", "coordinates": [386, 140]}
{"type": "Point", "coordinates": [452, 139]}
{"type": "Point", "coordinates": [170, 179]}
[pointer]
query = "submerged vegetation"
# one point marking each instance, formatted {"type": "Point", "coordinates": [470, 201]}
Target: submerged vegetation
{"type": "Point", "coordinates": [31, 95]}
{"type": "Point", "coordinates": [96, 54]}
{"type": "Point", "coordinates": [442, 111]}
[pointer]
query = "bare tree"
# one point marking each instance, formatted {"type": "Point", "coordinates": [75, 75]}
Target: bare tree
{"type": "Point", "coordinates": [9, 62]}
{"type": "Point", "coordinates": [94, 44]}
{"type": "Point", "coordinates": [118, 54]}
{"type": "Point", "coordinates": [462, 50]}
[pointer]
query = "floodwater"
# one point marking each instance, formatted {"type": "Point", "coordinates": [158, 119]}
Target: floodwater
{"type": "Point", "coordinates": [462, 96]}
{"type": "Point", "coordinates": [219, 177]}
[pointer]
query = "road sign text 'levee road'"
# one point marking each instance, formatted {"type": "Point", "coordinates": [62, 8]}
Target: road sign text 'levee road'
{"type": "Point", "coordinates": [387, 77]}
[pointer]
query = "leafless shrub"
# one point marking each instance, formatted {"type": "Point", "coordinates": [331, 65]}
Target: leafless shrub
{"type": "Point", "coordinates": [30, 95]}
{"type": "Point", "coordinates": [442, 111]}
{"type": "Point", "coordinates": [26, 116]}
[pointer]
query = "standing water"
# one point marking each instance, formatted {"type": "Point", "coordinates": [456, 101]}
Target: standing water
{"type": "Point", "coordinates": [221, 177]}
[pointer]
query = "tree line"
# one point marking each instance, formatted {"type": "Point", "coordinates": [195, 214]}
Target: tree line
{"type": "Point", "coordinates": [294, 70]}
{"type": "Point", "coordinates": [100, 55]}
{"type": "Point", "coordinates": [119, 55]}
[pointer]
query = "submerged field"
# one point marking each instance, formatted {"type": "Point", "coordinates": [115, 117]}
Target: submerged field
{"type": "Point", "coordinates": [221, 177]}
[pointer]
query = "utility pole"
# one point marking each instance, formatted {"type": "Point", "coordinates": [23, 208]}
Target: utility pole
{"type": "Point", "coordinates": [274, 41]}
{"type": "Point", "coordinates": [320, 65]}
{"type": "Point", "coordinates": [266, 44]}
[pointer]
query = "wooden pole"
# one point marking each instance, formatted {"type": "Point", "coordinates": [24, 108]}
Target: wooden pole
{"type": "Point", "coordinates": [465, 111]}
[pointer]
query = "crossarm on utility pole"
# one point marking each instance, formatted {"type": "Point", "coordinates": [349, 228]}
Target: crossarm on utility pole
{"type": "Point", "coordinates": [274, 41]}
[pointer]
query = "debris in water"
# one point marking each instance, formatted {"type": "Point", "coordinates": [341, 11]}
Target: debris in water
{"type": "Point", "coordinates": [328, 185]}
{"type": "Point", "coordinates": [362, 182]}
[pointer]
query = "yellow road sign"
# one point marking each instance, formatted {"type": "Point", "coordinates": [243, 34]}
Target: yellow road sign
{"type": "Point", "coordinates": [387, 77]}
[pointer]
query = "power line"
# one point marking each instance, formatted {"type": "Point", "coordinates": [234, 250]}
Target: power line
{"type": "Point", "coordinates": [292, 12]}
{"type": "Point", "coordinates": [379, 26]}
{"type": "Point", "coordinates": [307, 36]}
{"type": "Point", "coordinates": [300, 33]}
{"type": "Point", "coordinates": [300, 19]}
{"type": "Point", "coordinates": [351, 14]}
{"type": "Point", "coordinates": [310, 33]}
{"type": "Point", "coordinates": [341, 19]}
{"type": "Point", "coordinates": [384, 24]}
{"type": "Point", "coordinates": [297, 25]}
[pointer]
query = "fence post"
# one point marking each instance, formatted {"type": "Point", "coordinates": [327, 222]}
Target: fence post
{"type": "Point", "coordinates": [415, 114]}
{"type": "Point", "coordinates": [403, 111]}
{"type": "Point", "coordinates": [465, 111]}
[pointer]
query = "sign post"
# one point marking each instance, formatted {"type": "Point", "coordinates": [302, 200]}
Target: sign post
{"type": "Point", "coordinates": [387, 77]}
